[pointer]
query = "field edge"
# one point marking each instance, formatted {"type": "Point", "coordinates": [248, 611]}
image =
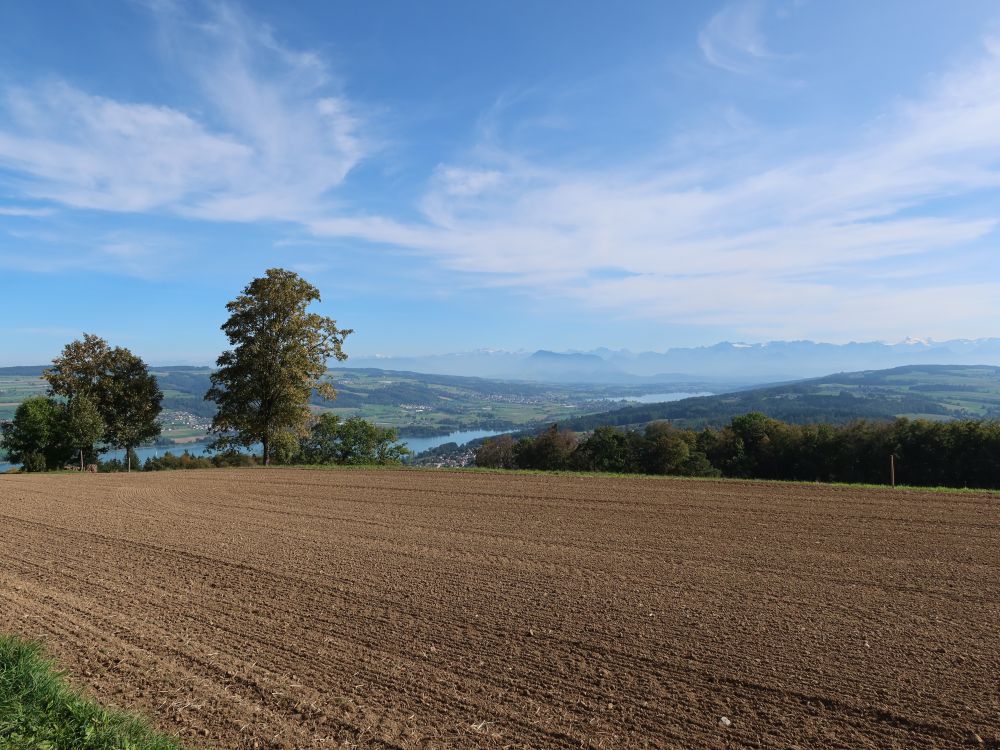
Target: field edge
{"type": "Point", "coordinates": [39, 708]}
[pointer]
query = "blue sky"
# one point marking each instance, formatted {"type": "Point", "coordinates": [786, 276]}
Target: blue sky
{"type": "Point", "coordinates": [457, 175]}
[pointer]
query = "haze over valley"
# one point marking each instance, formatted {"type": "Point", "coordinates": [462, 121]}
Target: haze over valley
{"type": "Point", "coordinates": [726, 364]}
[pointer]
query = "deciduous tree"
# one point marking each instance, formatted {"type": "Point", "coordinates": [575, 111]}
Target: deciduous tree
{"type": "Point", "coordinates": [132, 402]}
{"type": "Point", "coordinates": [83, 425]}
{"type": "Point", "coordinates": [279, 353]}
{"type": "Point", "coordinates": [356, 441]}
{"type": "Point", "coordinates": [551, 449]}
{"type": "Point", "coordinates": [497, 453]}
{"type": "Point", "coordinates": [118, 384]}
{"type": "Point", "coordinates": [81, 368]}
{"type": "Point", "coordinates": [36, 438]}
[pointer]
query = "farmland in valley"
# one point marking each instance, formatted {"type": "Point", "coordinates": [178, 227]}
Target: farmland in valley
{"type": "Point", "coordinates": [392, 608]}
{"type": "Point", "coordinates": [418, 405]}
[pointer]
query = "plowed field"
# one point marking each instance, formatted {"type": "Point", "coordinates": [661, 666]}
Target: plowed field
{"type": "Point", "coordinates": [301, 609]}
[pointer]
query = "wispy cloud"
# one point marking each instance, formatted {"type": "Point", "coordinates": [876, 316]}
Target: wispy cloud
{"type": "Point", "coordinates": [711, 248]}
{"type": "Point", "coordinates": [732, 39]}
{"type": "Point", "coordinates": [267, 138]}
{"type": "Point", "coordinates": [272, 137]}
{"type": "Point", "coordinates": [91, 152]}
{"type": "Point", "coordinates": [26, 212]}
{"type": "Point", "coordinates": [141, 255]}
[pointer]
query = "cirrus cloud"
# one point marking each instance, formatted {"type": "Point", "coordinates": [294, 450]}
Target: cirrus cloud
{"type": "Point", "coordinates": [270, 139]}
{"type": "Point", "coordinates": [698, 245]}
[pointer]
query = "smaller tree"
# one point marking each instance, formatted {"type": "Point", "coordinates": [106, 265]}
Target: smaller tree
{"type": "Point", "coordinates": [355, 441]}
{"type": "Point", "coordinates": [665, 449]}
{"type": "Point", "coordinates": [497, 453]}
{"type": "Point", "coordinates": [285, 448]}
{"type": "Point", "coordinates": [387, 448]}
{"type": "Point", "coordinates": [551, 449]}
{"type": "Point", "coordinates": [609, 449]}
{"type": "Point", "coordinates": [83, 425]}
{"type": "Point", "coordinates": [36, 437]}
{"type": "Point", "coordinates": [321, 444]}
{"type": "Point", "coordinates": [117, 383]}
{"type": "Point", "coordinates": [754, 448]}
{"type": "Point", "coordinates": [132, 402]}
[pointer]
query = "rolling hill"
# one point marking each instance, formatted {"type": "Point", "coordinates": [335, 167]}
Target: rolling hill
{"type": "Point", "coordinates": [421, 404]}
{"type": "Point", "coordinates": [415, 403]}
{"type": "Point", "coordinates": [937, 392]}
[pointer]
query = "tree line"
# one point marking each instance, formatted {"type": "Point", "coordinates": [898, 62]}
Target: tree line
{"type": "Point", "coordinates": [964, 453]}
{"type": "Point", "coordinates": [330, 440]}
{"type": "Point", "coordinates": [101, 397]}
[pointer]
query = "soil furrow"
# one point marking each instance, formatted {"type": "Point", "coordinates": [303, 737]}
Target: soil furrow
{"type": "Point", "coordinates": [270, 608]}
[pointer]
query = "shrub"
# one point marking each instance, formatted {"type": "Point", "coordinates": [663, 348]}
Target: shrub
{"type": "Point", "coordinates": [496, 453]}
{"type": "Point", "coordinates": [169, 461]}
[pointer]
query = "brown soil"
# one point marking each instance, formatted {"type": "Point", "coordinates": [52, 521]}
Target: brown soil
{"type": "Point", "coordinates": [300, 609]}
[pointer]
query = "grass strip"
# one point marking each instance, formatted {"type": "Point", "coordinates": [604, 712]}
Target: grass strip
{"type": "Point", "coordinates": [909, 488]}
{"type": "Point", "coordinates": [40, 711]}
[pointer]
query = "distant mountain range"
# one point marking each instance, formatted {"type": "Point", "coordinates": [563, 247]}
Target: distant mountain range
{"type": "Point", "coordinates": [727, 364]}
{"type": "Point", "coordinates": [730, 362]}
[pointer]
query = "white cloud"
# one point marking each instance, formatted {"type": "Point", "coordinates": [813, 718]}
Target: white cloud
{"type": "Point", "coordinates": [90, 152]}
{"type": "Point", "coordinates": [269, 140]}
{"type": "Point", "coordinates": [31, 213]}
{"type": "Point", "coordinates": [467, 182]}
{"type": "Point", "coordinates": [744, 249]}
{"type": "Point", "coordinates": [272, 139]}
{"type": "Point", "coordinates": [732, 39]}
{"type": "Point", "coordinates": [136, 254]}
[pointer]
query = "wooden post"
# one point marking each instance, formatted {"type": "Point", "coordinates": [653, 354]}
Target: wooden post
{"type": "Point", "coordinates": [892, 469]}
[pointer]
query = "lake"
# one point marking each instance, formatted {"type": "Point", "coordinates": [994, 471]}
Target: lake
{"type": "Point", "coordinates": [659, 398]}
{"type": "Point", "coordinates": [415, 444]}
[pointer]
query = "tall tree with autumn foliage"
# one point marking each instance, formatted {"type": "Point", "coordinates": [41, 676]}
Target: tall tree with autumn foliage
{"type": "Point", "coordinates": [279, 352]}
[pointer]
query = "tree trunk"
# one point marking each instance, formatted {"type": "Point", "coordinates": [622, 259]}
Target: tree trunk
{"type": "Point", "coordinates": [128, 459]}
{"type": "Point", "coordinates": [266, 457]}
{"type": "Point", "coordinates": [81, 459]}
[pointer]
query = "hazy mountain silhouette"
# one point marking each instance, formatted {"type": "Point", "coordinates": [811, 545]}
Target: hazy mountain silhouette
{"type": "Point", "coordinates": [731, 361]}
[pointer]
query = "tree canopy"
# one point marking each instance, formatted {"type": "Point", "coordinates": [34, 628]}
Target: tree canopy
{"type": "Point", "coordinates": [133, 403]}
{"type": "Point", "coordinates": [118, 384]}
{"type": "Point", "coordinates": [83, 425]}
{"type": "Point", "coordinates": [80, 369]}
{"type": "Point", "coordinates": [959, 453]}
{"type": "Point", "coordinates": [279, 353]}
{"type": "Point", "coordinates": [36, 438]}
{"type": "Point", "coordinates": [354, 441]}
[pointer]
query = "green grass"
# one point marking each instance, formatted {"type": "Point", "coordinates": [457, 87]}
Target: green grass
{"type": "Point", "coordinates": [40, 711]}
{"type": "Point", "coordinates": [908, 488]}
{"type": "Point", "coordinates": [645, 477]}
